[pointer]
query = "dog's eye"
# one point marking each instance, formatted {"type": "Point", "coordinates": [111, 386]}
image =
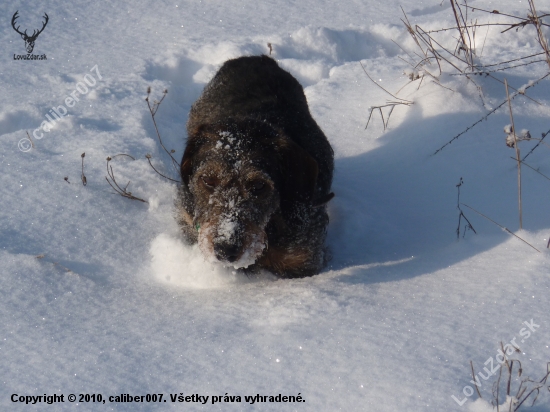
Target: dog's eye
{"type": "Point", "coordinates": [257, 187]}
{"type": "Point", "coordinates": [210, 182]}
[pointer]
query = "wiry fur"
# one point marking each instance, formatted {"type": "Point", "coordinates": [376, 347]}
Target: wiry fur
{"type": "Point", "coordinates": [256, 172]}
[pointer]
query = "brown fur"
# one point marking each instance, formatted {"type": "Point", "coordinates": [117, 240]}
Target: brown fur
{"type": "Point", "coordinates": [256, 172]}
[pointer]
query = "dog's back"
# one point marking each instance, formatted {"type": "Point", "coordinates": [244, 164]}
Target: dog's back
{"type": "Point", "coordinates": [255, 87]}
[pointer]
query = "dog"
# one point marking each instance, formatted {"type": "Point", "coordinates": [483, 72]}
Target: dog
{"type": "Point", "coordinates": [256, 172]}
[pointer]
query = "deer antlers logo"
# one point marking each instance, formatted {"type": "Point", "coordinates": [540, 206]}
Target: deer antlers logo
{"type": "Point", "coordinates": [29, 40]}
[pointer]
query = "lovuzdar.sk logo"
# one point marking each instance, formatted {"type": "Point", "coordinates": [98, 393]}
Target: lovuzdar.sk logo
{"type": "Point", "coordinates": [29, 40]}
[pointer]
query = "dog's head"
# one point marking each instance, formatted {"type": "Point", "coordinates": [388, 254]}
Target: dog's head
{"type": "Point", "coordinates": [237, 175]}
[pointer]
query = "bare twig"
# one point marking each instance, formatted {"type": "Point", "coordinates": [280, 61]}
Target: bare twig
{"type": "Point", "coordinates": [474, 378]}
{"type": "Point", "coordinates": [502, 227]}
{"type": "Point", "coordinates": [543, 41]}
{"type": "Point", "coordinates": [379, 108]}
{"type": "Point", "coordinates": [461, 214]}
{"type": "Point", "coordinates": [153, 110]}
{"type": "Point", "coordinates": [531, 167]}
{"type": "Point", "coordinates": [513, 96]}
{"type": "Point", "coordinates": [402, 101]}
{"type": "Point", "coordinates": [113, 183]}
{"type": "Point", "coordinates": [29, 136]}
{"type": "Point", "coordinates": [148, 157]}
{"type": "Point", "coordinates": [517, 153]}
{"type": "Point", "coordinates": [55, 264]}
{"type": "Point", "coordinates": [501, 69]}
{"type": "Point", "coordinates": [83, 176]}
{"type": "Point", "coordinates": [537, 145]}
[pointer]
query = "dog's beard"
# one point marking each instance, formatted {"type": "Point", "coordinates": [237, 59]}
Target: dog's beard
{"type": "Point", "coordinates": [254, 242]}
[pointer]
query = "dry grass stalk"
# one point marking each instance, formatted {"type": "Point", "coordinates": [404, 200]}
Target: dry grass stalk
{"type": "Point", "coordinates": [29, 136]}
{"type": "Point", "coordinates": [153, 110]}
{"type": "Point", "coordinates": [392, 104]}
{"type": "Point", "coordinates": [516, 146]}
{"type": "Point", "coordinates": [82, 176]}
{"type": "Point", "coordinates": [148, 157]}
{"type": "Point", "coordinates": [462, 59]}
{"type": "Point", "coordinates": [502, 227]}
{"type": "Point", "coordinates": [532, 168]}
{"type": "Point", "coordinates": [462, 215]}
{"type": "Point", "coordinates": [475, 381]}
{"type": "Point", "coordinates": [122, 191]}
{"type": "Point", "coordinates": [543, 41]}
{"type": "Point", "coordinates": [538, 144]}
{"type": "Point", "coordinates": [512, 97]}
{"type": "Point", "coordinates": [55, 264]}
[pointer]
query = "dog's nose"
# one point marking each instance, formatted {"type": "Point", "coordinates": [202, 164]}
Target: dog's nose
{"type": "Point", "coordinates": [226, 252]}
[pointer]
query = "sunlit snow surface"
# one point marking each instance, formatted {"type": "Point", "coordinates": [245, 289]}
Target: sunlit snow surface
{"type": "Point", "coordinates": [100, 295]}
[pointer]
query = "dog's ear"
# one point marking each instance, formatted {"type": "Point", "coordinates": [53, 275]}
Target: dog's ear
{"type": "Point", "coordinates": [299, 172]}
{"type": "Point", "coordinates": [194, 142]}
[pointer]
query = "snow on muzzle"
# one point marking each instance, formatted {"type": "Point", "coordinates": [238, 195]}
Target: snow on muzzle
{"type": "Point", "coordinates": [231, 240]}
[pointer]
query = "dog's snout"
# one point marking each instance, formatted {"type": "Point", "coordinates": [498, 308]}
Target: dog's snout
{"type": "Point", "coordinates": [226, 252]}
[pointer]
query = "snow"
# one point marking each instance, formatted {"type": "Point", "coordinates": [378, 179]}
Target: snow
{"type": "Point", "coordinates": [99, 294]}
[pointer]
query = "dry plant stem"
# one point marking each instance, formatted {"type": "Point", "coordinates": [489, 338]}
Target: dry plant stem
{"type": "Point", "coordinates": [536, 388]}
{"type": "Point", "coordinates": [513, 60]}
{"type": "Point", "coordinates": [502, 227]}
{"type": "Point", "coordinates": [543, 41]}
{"type": "Point", "coordinates": [153, 111]}
{"type": "Point", "coordinates": [517, 153]}
{"type": "Point", "coordinates": [513, 96]}
{"type": "Point", "coordinates": [498, 387]}
{"type": "Point", "coordinates": [493, 12]}
{"type": "Point", "coordinates": [461, 214]}
{"type": "Point", "coordinates": [469, 26]}
{"type": "Point", "coordinates": [119, 190]}
{"type": "Point", "coordinates": [486, 72]}
{"type": "Point", "coordinates": [379, 108]}
{"type": "Point", "coordinates": [533, 19]}
{"type": "Point", "coordinates": [148, 157]}
{"type": "Point", "coordinates": [411, 31]}
{"type": "Point", "coordinates": [509, 365]}
{"type": "Point", "coordinates": [468, 50]}
{"type": "Point", "coordinates": [402, 101]}
{"type": "Point", "coordinates": [56, 264]}
{"type": "Point", "coordinates": [474, 378]}
{"type": "Point", "coordinates": [29, 136]}
{"type": "Point", "coordinates": [531, 167]}
{"type": "Point", "coordinates": [82, 176]}
{"type": "Point", "coordinates": [537, 145]}
{"type": "Point", "coordinates": [461, 72]}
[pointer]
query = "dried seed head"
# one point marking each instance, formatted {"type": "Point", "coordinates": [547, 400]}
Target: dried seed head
{"type": "Point", "coordinates": [83, 154]}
